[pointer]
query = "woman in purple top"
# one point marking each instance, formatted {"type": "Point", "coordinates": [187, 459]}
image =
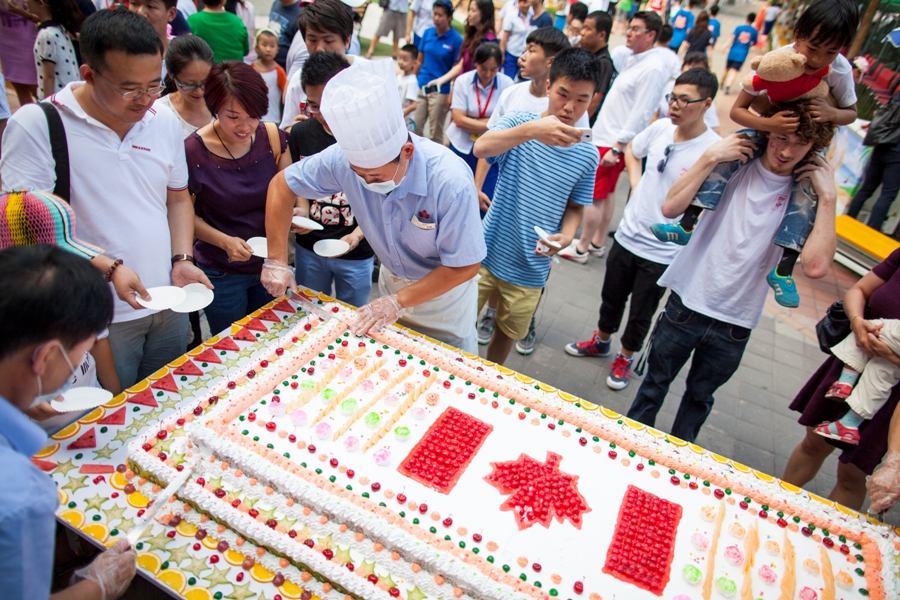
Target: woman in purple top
{"type": "Point", "coordinates": [880, 290]}
{"type": "Point", "coordinates": [230, 164]}
{"type": "Point", "coordinates": [478, 30]}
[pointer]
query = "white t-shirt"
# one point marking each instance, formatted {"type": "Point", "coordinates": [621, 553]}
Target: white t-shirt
{"type": "Point", "coordinates": [465, 98]}
{"type": "Point", "coordinates": [408, 86]}
{"type": "Point", "coordinates": [271, 79]}
{"type": "Point", "coordinates": [423, 20]}
{"type": "Point", "coordinates": [519, 97]}
{"type": "Point", "coordinates": [53, 45]}
{"type": "Point", "coordinates": [518, 31]}
{"type": "Point", "coordinates": [710, 117]}
{"type": "Point", "coordinates": [595, 5]}
{"type": "Point", "coordinates": [296, 56]}
{"type": "Point", "coordinates": [119, 187]}
{"type": "Point", "coordinates": [186, 7]}
{"type": "Point", "coordinates": [722, 272]}
{"type": "Point", "coordinates": [840, 81]}
{"type": "Point", "coordinates": [292, 99]}
{"type": "Point", "coordinates": [772, 12]}
{"type": "Point", "coordinates": [644, 208]}
{"type": "Point", "coordinates": [672, 61]}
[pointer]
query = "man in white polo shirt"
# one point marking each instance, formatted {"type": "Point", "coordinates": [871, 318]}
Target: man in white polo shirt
{"type": "Point", "coordinates": [128, 181]}
{"type": "Point", "coordinates": [627, 110]}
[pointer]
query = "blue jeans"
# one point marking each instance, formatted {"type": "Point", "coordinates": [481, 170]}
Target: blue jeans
{"type": "Point", "coordinates": [352, 278]}
{"type": "Point", "coordinates": [800, 217]}
{"type": "Point", "coordinates": [511, 65]}
{"type": "Point", "coordinates": [717, 348]}
{"type": "Point", "coordinates": [237, 295]}
{"type": "Point", "coordinates": [143, 346]}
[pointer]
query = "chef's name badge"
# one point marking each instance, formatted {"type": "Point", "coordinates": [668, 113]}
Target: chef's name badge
{"type": "Point", "coordinates": [420, 224]}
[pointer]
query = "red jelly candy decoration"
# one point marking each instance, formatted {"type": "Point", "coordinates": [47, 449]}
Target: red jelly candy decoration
{"type": "Point", "coordinates": [171, 534]}
{"type": "Point", "coordinates": [198, 411]}
{"type": "Point", "coordinates": [763, 514]}
{"type": "Point", "coordinates": [311, 448]}
{"type": "Point", "coordinates": [264, 363]}
{"type": "Point", "coordinates": [333, 462]}
{"type": "Point", "coordinates": [329, 554]}
{"type": "Point", "coordinates": [279, 351]}
{"type": "Point", "coordinates": [447, 385]}
{"type": "Point", "coordinates": [612, 454]}
{"type": "Point", "coordinates": [718, 494]}
{"type": "Point", "coordinates": [309, 543]}
{"type": "Point", "coordinates": [220, 493]}
{"type": "Point", "coordinates": [376, 486]}
{"type": "Point", "coordinates": [582, 441]}
{"type": "Point", "coordinates": [845, 549]}
{"type": "Point", "coordinates": [351, 473]}
{"type": "Point", "coordinates": [253, 513]}
{"type": "Point", "coordinates": [310, 370]}
{"type": "Point", "coordinates": [251, 417]}
{"type": "Point", "coordinates": [423, 508]}
{"type": "Point", "coordinates": [373, 578]}
{"type": "Point", "coordinates": [394, 592]}
{"type": "Point", "coordinates": [402, 362]}
{"type": "Point", "coordinates": [536, 567]}
{"type": "Point", "coordinates": [579, 587]}
{"type": "Point", "coordinates": [231, 385]}
{"type": "Point", "coordinates": [294, 385]}
{"type": "Point", "coordinates": [162, 434]}
{"type": "Point", "coordinates": [378, 353]}
{"type": "Point", "coordinates": [401, 498]}
{"type": "Point", "coordinates": [476, 537]}
{"type": "Point", "coordinates": [239, 577]}
{"type": "Point", "coordinates": [743, 505]}
{"type": "Point", "coordinates": [674, 480]}
{"type": "Point", "coordinates": [829, 543]}
{"type": "Point", "coordinates": [270, 426]}
{"type": "Point", "coordinates": [214, 558]}
{"type": "Point", "coordinates": [782, 523]}
{"type": "Point", "coordinates": [308, 326]}
{"type": "Point", "coordinates": [640, 466]}
{"type": "Point", "coordinates": [292, 438]}
{"type": "Point", "coordinates": [448, 522]}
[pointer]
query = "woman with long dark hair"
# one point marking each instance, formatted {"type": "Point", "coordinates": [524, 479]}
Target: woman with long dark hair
{"type": "Point", "coordinates": [479, 29]}
{"type": "Point", "coordinates": [699, 37]}
{"type": "Point", "coordinates": [188, 61]}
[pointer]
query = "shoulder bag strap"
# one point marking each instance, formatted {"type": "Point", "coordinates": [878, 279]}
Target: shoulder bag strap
{"type": "Point", "coordinates": [59, 148]}
{"type": "Point", "coordinates": [274, 140]}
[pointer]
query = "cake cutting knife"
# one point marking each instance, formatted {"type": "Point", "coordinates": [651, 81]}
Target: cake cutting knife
{"type": "Point", "coordinates": [135, 533]}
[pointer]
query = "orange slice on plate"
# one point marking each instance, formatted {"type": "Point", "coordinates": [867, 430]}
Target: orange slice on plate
{"type": "Point", "coordinates": [174, 578]}
{"type": "Point", "coordinates": [763, 476]}
{"type": "Point", "coordinates": [609, 414]}
{"type": "Point", "coordinates": [567, 396]}
{"type": "Point", "coordinates": [290, 590]}
{"type": "Point", "coordinates": [634, 424]}
{"type": "Point", "coordinates": [233, 557]}
{"type": "Point", "coordinates": [824, 501]}
{"type": "Point", "coordinates": [159, 374]}
{"type": "Point", "coordinates": [198, 593]}
{"type": "Point", "coordinates": [210, 542]}
{"type": "Point", "coordinates": [117, 401]}
{"type": "Point", "coordinates": [524, 379]}
{"type": "Point", "coordinates": [93, 416]}
{"type": "Point", "coordinates": [48, 451]}
{"type": "Point", "coordinates": [178, 362]}
{"type": "Point", "coordinates": [149, 562]}
{"type": "Point", "coordinates": [186, 529]}
{"type": "Point", "coordinates": [740, 467]}
{"type": "Point", "coordinates": [655, 432]}
{"type": "Point", "coordinates": [589, 406]}
{"type": "Point", "coordinates": [261, 574]}
{"type": "Point", "coordinates": [676, 441]}
{"type": "Point", "coordinates": [118, 481]}
{"type": "Point", "coordinates": [63, 496]}
{"type": "Point", "coordinates": [718, 458]}
{"type": "Point", "coordinates": [696, 448]}
{"type": "Point", "coordinates": [790, 487]}
{"type": "Point", "coordinates": [98, 531]}
{"type": "Point", "coordinates": [73, 517]}
{"type": "Point", "coordinates": [325, 298]}
{"type": "Point", "coordinates": [137, 500]}
{"type": "Point", "coordinates": [67, 432]}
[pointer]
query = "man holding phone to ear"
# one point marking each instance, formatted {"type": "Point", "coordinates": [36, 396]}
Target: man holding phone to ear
{"type": "Point", "coordinates": [546, 179]}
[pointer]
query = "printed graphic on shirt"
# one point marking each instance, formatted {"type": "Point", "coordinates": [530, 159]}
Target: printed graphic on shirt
{"type": "Point", "coordinates": [332, 211]}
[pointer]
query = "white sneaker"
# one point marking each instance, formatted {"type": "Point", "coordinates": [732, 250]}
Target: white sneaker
{"type": "Point", "coordinates": [571, 252]}
{"type": "Point", "coordinates": [595, 251]}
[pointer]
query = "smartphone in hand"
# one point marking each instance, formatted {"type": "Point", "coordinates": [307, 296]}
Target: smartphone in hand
{"type": "Point", "coordinates": [586, 135]}
{"type": "Point", "coordinates": [431, 89]}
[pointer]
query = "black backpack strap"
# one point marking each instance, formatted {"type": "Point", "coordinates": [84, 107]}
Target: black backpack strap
{"type": "Point", "coordinates": [59, 148]}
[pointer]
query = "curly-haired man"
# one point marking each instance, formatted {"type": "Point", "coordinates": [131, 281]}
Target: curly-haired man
{"type": "Point", "coordinates": [718, 281]}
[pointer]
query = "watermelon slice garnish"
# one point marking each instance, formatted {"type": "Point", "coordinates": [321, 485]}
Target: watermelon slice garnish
{"type": "Point", "coordinates": [268, 315]}
{"type": "Point", "coordinates": [87, 439]}
{"type": "Point", "coordinates": [245, 335]}
{"type": "Point", "coordinates": [228, 344]}
{"type": "Point", "coordinates": [209, 355]}
{"type": "Point", "coordinates": [144, 398]}
{"type": "Point", "coordinates": [255, 324]}
{"type": "Point", "coordinates": [43, 465]}
{"type": "Point", "coordinates": [284, 306]}
{"type": "Point", "coordinates": [118, 417]}
{"type": "Point", "coordinates": [96, 469]}
{"type": "Point", "coordinates": [188, 368]}
{"type": "Point", "coordinates": [167, 383]}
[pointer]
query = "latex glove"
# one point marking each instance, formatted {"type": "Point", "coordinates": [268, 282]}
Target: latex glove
{"type": "Point", "coordinates": [884, 484]}
{"type": "Point", "coordinates": [277, 277]}
{"type": "Point", "coordinates": [377, 315]}
{"type": "Point", "coordinates": [112, 570]}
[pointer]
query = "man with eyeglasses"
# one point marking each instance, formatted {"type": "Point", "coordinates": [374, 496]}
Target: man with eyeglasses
{"type": "Point", "coordinates": [626, 111]}
{"type": "Point", "coordinates": [128, 181]}
{"type": "Point", "coordinates": [637, 259]}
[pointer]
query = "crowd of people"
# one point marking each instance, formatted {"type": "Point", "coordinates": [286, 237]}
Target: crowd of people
{"type": "Point", "coordinates": [460, 172]}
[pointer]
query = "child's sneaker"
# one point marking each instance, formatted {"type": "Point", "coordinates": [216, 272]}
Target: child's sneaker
{"type": "Point", "coordinates": [571, 252]}
{"type": "Point", "coordinates": [839, 431]}
{"type": "Point", "coordinates": [785, 290]}
{"type": "Point", "coordinates": [619, 372]}
{"type": "Point", "coordinates": [485, 325]}
{"type": "Point", "coordinates": [525, 346]}
{"type": "Point", "coordinates": [839, 391]}
{"type": "Point", "coordinates": [671, 232]}
{"type": "Point", "coordinates": [592, 347]}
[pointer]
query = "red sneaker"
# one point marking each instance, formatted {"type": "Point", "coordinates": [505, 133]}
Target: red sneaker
{"type": "Point", "coordinates": [839, 391]}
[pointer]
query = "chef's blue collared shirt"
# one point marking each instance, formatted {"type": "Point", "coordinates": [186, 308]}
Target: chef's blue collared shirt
{"type": "Point", "coordinates": [28, 502]}
{"type": "Point", "coordinates": [430, 219]}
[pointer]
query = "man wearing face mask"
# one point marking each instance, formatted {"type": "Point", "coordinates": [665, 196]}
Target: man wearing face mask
{"type": "Point", "coordinates": [414, 202]}
{"type": "Point", "coordinates": [42, 339]}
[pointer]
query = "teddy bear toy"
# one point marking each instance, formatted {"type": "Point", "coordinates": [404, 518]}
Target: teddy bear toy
{"type": "Point", "coordinates": [781, 74]}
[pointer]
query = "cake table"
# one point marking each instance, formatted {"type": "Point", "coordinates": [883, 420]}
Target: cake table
{"type": "Point", "coordinates": [322, 465]}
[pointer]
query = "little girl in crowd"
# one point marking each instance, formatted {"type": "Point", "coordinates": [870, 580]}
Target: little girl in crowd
{"type": "Point", "coordinates": [821, 32]}
{"type": "Point", "coordinates": [54, 50]}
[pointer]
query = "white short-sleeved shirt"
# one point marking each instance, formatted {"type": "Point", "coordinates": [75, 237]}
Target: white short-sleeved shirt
{"type": "Point", "coordinates": [292, 99]}
{"type": "Point", "coordinates": [422, 9]}
{"type": "Point", "coordinates": [710, 117]}
{"type": "Point", "coordinates": [644, 208]}
{"type": "Point", "coordinates": [408, 86]}
{"type": "Point", "coordinates": [519, 97]}
{"type": "Point", "coordinates": [518, 31]}
{"type": "Point", "coordinates": [296, 56]}
{"type": "Point", "coordinates": [119, 186]}
{"type": "Point", "coordinates": [722, 272]}
{"type": "Point", "coordinates": [271, 78]}
{"type": "Point", "coordinates": [840, 81]}
{"type": "Point", "coordinates": [477, 105]}
{"type": "Point", "coordinates": [772, 12]}
{"type": "Point", "coordinates": [53, 45]}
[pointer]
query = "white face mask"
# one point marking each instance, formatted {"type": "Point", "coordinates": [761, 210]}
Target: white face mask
{"type": "Point", "coordinates": [62, 390]}
{"type": "Point", "coordinates": [383, 187]}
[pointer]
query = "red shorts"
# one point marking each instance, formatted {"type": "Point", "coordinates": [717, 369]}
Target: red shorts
{"type": "Point", "coordinates": [607, 177]}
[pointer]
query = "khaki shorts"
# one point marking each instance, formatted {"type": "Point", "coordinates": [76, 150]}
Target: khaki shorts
{"type": "Point", "coordinates": [517, 303]}
{"type": "Point", "coordinates": [392, 22]}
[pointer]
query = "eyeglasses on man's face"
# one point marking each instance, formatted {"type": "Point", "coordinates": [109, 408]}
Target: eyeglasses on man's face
{"type": "Point", "coordinates": [154, 91]}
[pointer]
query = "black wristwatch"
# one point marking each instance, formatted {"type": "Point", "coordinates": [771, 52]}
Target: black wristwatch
{"type": "Point", "coordinates": [615, 151]}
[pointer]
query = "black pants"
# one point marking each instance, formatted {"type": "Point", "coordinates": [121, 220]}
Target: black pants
{"type": "Point", "coordinates": [883, 169]}
{"type": "Point", "coordinates": [628, 274]}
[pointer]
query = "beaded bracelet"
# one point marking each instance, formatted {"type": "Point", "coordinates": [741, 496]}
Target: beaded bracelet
{"type": "Point", "coordinates": [112, 268]}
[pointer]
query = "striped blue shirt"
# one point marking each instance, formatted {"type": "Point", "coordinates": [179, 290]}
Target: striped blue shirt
{"type": "Point", "coordinates": [536, 183]}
